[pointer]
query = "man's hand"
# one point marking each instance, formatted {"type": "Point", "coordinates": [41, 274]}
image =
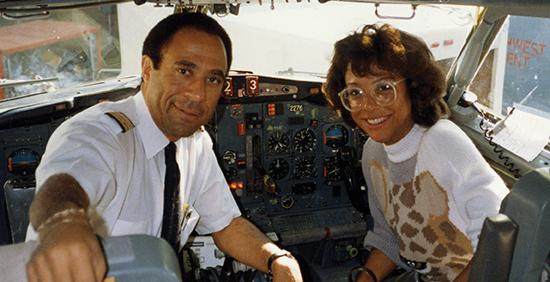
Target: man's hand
{"type": "Point", "coordinates": [286, 269]}
{"type": "Point", "coordinates": [68, 251]}
{"type": "Point", "coordinates": [247, 244]}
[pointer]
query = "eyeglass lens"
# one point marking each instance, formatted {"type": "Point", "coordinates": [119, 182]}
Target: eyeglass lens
{"type": "Point", "coordinates": [383, 92]}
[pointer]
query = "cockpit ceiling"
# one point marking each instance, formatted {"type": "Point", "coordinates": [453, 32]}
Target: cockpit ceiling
{"type": "Point", "coordinates": [515, 7]}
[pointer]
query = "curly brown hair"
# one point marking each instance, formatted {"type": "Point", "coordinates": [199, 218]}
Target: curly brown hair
{"type": "Point", "coordinates": [385, 48]}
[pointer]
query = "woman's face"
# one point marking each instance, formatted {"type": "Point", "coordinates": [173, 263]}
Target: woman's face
{"type": "Point", "coordinates": [385, 124]}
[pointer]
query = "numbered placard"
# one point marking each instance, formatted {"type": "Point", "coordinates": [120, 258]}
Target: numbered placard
{"type": "Point", "coordinates": [228, 87]}
{"type": "Point", "coordinates": [252, 86]}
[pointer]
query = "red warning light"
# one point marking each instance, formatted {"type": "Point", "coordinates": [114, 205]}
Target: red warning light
{"type": "Point", "coordinates": [271, 109]}
{"type": "Point", "coordinates": [241, 129]}
{"type": "Point", "coordinates": [235, 185]}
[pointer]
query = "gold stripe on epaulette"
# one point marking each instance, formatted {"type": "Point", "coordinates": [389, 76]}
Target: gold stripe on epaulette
{"type": "Point", "coordinates": [122, 120]}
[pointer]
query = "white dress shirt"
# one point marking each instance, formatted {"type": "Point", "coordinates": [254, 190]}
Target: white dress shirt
{"type": "Point", "coordinates": [123, 172]}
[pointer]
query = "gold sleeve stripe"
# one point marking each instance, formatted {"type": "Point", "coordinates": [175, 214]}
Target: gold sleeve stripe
{"type": "Point", "coordinates": [122, 120]}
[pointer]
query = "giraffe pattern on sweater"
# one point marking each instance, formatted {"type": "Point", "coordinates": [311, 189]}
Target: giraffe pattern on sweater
{"type": "Point", "coordinates": [418, 214]}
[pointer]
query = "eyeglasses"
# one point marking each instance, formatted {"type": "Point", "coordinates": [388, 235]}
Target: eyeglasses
{"type": "Point", "coordinates": [383, 92]}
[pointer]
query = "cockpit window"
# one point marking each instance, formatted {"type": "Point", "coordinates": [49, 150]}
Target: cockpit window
{"type": "Point", "coordinates": [57, 50]}
{"type": "Point", "coordinates": [515, 72]}
{"type": "Point", "coordinates": [75, 46]}
{"type": "Point", "coordinates": [298, 39]}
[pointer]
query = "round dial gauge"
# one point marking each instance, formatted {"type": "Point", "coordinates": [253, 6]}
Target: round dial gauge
{"type": "Point", "coordinates": [336, 136]}
{"type": "Point", "coordinates": [304, 167]}
{"type": "Point", "coordinates": [23, 162]}
{"type": "Point", "coordinates": [229, 157]}
{"type": "Point", "coordinates": [278, 168]}
{"type": "Point", "coordinates": [304, 140]}
{"type": "Point", "coordinates": [332, 171]}
{"type": "Point", "coordinates": [287, 201]}
{"type": "Point", "coordinates": [277, 142]}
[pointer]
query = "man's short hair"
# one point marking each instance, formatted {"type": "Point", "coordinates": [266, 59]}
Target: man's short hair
{"type": "Point", "coordinates": [161, 33]}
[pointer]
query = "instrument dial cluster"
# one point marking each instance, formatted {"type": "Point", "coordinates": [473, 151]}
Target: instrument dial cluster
{"type": "Point", "coordinates": [278, 142]}
{"type": "Point", "coordinates": [304, 140]}
{"type": "Point", "coordinates": [23, 162]}
{"type": "Point", "coordinates": [304, 167]}
{"type": "Point", "coordinates": [336, 136]}
{"type": "Point", "coordinates": [278, 168]}
{"type": "Point", "coordinates": [332, 170]}
{"type": "Point", "coordinates": [283, 153]}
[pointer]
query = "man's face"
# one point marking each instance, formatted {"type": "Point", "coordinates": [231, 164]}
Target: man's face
{"type": "Point", "coordinates": [183, 92]}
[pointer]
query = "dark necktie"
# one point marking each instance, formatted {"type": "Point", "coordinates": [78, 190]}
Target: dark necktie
{"type": "Point", "coordinates": [170, 222]}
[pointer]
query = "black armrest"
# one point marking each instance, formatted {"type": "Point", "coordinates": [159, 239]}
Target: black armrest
{"type": "Point", "coordinates": [493, 258]}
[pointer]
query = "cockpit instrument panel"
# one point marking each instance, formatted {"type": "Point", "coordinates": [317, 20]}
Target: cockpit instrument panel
{"type": "Point", "coordinates": [287, 157]}
{"type": "Point", "coordinates": [281, 149]}
{"type": "Point", "coordinates": [26, 124]}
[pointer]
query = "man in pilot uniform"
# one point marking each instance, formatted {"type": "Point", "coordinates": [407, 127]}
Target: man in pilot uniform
{"type": "Point", "coordinates": [117, 159]}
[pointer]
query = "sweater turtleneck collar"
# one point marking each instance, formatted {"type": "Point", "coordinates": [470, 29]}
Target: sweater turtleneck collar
{"type": "Point", "coordinates": [407, 147]}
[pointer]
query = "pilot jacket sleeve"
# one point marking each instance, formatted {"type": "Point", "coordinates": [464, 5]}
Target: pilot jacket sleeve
{"type": "Point", "coordinates": [74, 148]}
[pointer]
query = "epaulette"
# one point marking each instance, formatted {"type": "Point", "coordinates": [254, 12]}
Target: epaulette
{"type": "Point", "coordinates": [122, 120]}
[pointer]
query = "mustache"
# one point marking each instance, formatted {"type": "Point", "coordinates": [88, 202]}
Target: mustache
{"type": "Point", "coordinates": [192, 106]}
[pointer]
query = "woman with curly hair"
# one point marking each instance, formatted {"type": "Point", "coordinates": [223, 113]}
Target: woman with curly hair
{"type": "Point", "coordinates": [429, 188]}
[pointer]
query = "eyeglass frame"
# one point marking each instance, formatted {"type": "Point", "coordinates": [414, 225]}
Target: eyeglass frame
{"type": "Point", "coordinates": [392, 83]}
